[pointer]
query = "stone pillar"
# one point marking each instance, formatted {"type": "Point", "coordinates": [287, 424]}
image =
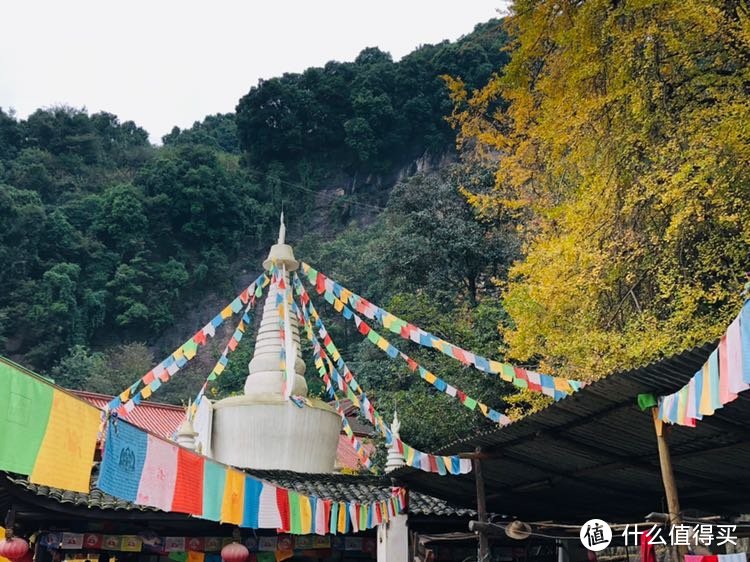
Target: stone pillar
{"type": "Point", "coordinates": [393, 540]}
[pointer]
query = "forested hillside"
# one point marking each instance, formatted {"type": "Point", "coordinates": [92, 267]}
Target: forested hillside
{"type": "Point", "coordinates": [113, 251]}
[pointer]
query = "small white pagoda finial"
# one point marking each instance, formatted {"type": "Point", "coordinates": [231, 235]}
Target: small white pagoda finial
{"type": "Point", "coordinates": [395, 459]}
{"type": "Point", "coordinates": [185, 435]}
{"type": "Point", "coordinates": [282, 229]}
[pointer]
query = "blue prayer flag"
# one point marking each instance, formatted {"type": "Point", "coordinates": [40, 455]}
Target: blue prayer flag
{"type": "Point", "coordinates": [122, 463]}
{"type": "Point", "coordinates": [251, 508]}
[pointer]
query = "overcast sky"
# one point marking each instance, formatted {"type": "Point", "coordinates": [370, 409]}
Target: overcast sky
{"type": "Point", "coordinates": [171, 62]}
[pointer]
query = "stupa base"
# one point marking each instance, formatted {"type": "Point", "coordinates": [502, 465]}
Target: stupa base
{"type": "Point", "coordinates": [268, 433]}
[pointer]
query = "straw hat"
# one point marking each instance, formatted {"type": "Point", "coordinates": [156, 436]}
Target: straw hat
{"type": "Point", "coordinates": [518, 530]}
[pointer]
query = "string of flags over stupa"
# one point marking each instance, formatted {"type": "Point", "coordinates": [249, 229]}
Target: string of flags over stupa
{"type": "Point", "coordinates": [338, 378]}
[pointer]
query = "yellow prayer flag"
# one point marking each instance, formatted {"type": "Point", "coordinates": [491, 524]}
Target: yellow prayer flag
{"type": "Point", "coordinates": [305, 514]}
{"type": "Point", "coordinates": [388, 319]}
{"type": "Point", "coordinates": [496, 367]}
{"type": "Point", "coordinates": [125, 395]}
{"type": "Point", "coordinates": [146, 392]}
{"type": "Point", "coordinates": [338, 305]}
{"type": "Point", "coordinates": [409, 456]}
{"type": "Point", "coordinates": [429, 377]}
{"type": "Point", "coordinates": [383, 344]}
{"type": "Point", "coordinates": [336, 355]}
{"type": "Point", "coordinates": [218, 368]}
{"type": "Point", "coordinates": [483, 407]}
{"type": "Point", "coordinates": [234, 497]}
{"type": "Point", "coordinates": [342, 518]}
{"type": "Point", "coordinates": [562, 384]}
{"type": "Point", "coordinates": [345, 295]}
{"type": "Point", "coordinates": [67, 451]}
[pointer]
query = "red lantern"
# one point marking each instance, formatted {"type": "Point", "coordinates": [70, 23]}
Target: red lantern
{"type": "Point", "coordinates": [28, 557]}
{"type": "Point", "coordinates": [14, 548]}
{"type": "Point", "coordinates": [235, 552]}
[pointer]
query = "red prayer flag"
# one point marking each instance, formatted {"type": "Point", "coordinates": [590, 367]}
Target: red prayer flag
{"type": "Point", "coordinates": [188, 487]}
{"type": "Point", "coordinates": [364, 329]}
{"type": "Point", "coordinates": [199, 337]}
{"type": "Point", "coordinates": [282, 502]}
{"type": "Point", "coordinates": [461, 396]}
{"type": "Point", "coordinates": [320, 284]}
{"type": "Point", "coordinates": [412, 364]}
{"type": "Point", "coordinates": [327, 511]}
{"type": "Point", "coordinates": [232, 345]}
{"type": "Point", "coordinates": [245, 296]}
{"type": "Point", "coordinates": [148, 378]}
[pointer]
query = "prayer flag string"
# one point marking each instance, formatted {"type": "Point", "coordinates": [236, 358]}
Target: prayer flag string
{"type": "Point", "coordinates": [320, 360]}
{"type": "Point", "coordinates": [555, 387]}
{"type": "Point", "coordinates": [393, 352]}
{"type": "Point", "coordinates": [149, 383]}
{"type": "Point", "coordinates": [349, 386]}
{"type": "Point", "coordinates": [718, 382]}
{"type": "Point", "coordinates": [221, 364]}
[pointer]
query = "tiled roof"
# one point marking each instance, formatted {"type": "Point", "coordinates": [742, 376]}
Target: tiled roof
{"type": "Point", "coordinates": [338, 487]}
{"type": "Point", "coordinates": [94, 499]}
{"type": "Point", "coordinates": [160, 419]}
{"type": "Point", "coordinates": [344, 487]}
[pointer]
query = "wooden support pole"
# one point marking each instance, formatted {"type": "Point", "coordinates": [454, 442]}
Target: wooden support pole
{"type": "Point", "coordinates": [667, 477]}
{"type": "Point", "coordinates": [484, 545]}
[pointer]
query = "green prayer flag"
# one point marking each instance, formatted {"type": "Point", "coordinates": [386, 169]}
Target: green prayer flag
{"type": "Point", "coordinates": [373, 336]}
{"type": "Point", "coordinates": [508, 372]}
{"type": "Point", "coordinates": [258, 291]}
{"type": "Point", "coordinates": [178, 556]}
{"type": "Point", "coordinates": [312, 275]}
{"type": "Point", "coordinates": [470, 403]}
{"type": "Point", "coordinates": [212, 376]}
{"type": "Point", "coordinates": [646, 401]}
{"type": "Point", "coordinates": [295, 515]}
{"type": "Point", "coordinates": [25, 404]}
{"type": "Point", "coordinates": [363, 516]}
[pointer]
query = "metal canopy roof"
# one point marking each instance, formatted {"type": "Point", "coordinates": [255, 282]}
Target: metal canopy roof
{"type": "Point", "coordinates": [594, 454]}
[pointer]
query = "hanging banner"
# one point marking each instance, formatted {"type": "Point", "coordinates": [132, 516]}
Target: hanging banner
{"type": "Point", "coordinates": [555, 387]}
{"type": "Point", "coordinates": [718, 382]}
{"type": "Point", "coordinates": [48, 435]}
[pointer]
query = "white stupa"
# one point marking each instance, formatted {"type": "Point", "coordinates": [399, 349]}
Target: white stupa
{"type": "Point", "coordinates": [261, 429]}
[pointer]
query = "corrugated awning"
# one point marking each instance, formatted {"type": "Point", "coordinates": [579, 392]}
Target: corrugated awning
{"type": "Point", "coordinates": [594, 454]}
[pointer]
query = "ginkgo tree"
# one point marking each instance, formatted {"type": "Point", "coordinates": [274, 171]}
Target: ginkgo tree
{"type": "Point", "coordinates": [620, 132]}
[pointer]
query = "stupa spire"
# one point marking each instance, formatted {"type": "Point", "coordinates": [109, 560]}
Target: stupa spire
{"type": "Point", "coordinates": [265, 374]}
{"type": "Point", "coordinates": [282, 229]}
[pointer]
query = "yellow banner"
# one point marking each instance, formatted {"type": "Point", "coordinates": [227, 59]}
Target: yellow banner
{"type": "Point", "coordinates": [234, 497]}
{"type": "Point", "coordinates": [67, 451]}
